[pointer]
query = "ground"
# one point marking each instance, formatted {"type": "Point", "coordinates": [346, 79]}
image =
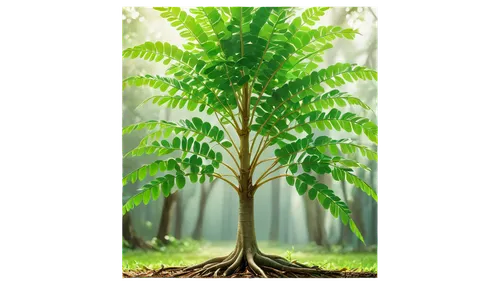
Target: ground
{"type": "Point", "coordinates": [137, 263]}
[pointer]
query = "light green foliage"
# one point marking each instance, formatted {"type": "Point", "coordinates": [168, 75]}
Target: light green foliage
{"type": "Point", "coordinates": [272, 54]}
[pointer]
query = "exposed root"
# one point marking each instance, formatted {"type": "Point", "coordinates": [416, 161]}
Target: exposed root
{"type": "Point", "coordinates": [252, 263]}
{"type": "Point", "coordinates": [254, 266]}
{"type": "Point", "coordinates": [236, 264]}
{"type": "Point", "coordinates": [216, 259]}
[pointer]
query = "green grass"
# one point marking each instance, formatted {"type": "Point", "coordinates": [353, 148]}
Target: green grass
{"type": "Point", "coordinates": [190, 254]}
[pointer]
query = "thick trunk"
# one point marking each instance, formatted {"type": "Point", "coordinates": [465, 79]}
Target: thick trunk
{"type": "Point", "coordinates": [198, 230]}
{"type": "Point", "coordinates": [275, 211]}
{"type": "Point", "coordinates": [246, 229]}
{"type": "Point", "coordinates": [245, 237]}
{"type": "Point", "coordinates": [164, 227]}
{"type": "Point", "coordinates": [129, 234]}
{"type": "Point", "coordinates": [179, 216]}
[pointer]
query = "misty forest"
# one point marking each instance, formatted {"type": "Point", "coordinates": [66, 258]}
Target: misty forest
{"type": "Point", "coordinates": [249, 142]}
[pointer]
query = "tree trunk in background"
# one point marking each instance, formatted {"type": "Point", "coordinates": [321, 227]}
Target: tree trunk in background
{"type": "Point", "coordinates": [198, 229]}
{"type": "Point", "coordinates": [309, 211]}
{"type": "Point", "coordinates": [274, 232]}
{"type": "Point", "coordinates": [345, 231]}
{"type": "Point", "coordinates": [164, 227]}
{"type": "Point", "coordinates": [357, 215]}
{"type": "Point", "coordinates": [179, 216]}
{"type": "Point", "coordinates": [286, 218]}
{"type": "Point", "coordinates": [129, 234]}
{"type": "Point", "coordinates": [315, 220]}
{"type": "Point", "coordinates": [321, 237]}
{"type": "Point", "coordinates": [374, 209]}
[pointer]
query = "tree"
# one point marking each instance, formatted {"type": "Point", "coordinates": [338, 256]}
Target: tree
{"type": "Point", "coordinates": [198, 229]}
{"type": "Point", "coordinates": [164, 227]}
{"type": "Point", "coordinates": [129, 234]}
{"type": "Point", "coordinates": [256, 71]}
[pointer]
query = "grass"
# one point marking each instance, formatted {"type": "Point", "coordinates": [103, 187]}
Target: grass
{"type": "Point", "coordinates": [189, 253]}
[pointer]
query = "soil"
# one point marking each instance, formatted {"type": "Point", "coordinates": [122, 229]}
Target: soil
{"type": "Point", "coordinates": [173, 272]}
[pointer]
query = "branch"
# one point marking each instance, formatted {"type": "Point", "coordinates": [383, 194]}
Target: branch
{"type": "Point", "coordinates": [230, 169]}
{"type": "Point", "coordinates": [265, 160]}
{"type": "Point", "coordinates": [218, 176]}
{"type": "Point", "coordinates": [270, 179]}
{"type": "Point", "coordinates": [268, 171]}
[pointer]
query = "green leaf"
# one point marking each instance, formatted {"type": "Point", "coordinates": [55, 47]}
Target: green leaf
{"type": "Point", "coordinates": [145, 197]}
{"type": "Point", "coordinates": [193, 177]}
{"type": "Point", "coordinates": [244, 80]}
{"type": "Point", "coordinates": [312, 193]}
{"type": "Point", "coordinates": [153, 169]}
{"type": "Point", "coordinates": [290, 180]}
{"type": "Point", "coordinates": [143, 173]}
{"type": "Point", "coordinates": [180, 181]}
{"type": "Point", "coordinates": [155, 192]}
{"type": "Point", "coordinates": [165, 188]}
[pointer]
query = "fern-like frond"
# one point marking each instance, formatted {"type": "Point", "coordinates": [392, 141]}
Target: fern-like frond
{"type": "Point", "coordinates": [190, 30]}
{"type": "Point", "coordinates": [165, 183]}
{"type": "Point", "coordinates": [165, 52]}
{"type": "Point", "coordinates": [286, 102]}
{"type": "Point", "coordinates": [321, 145]}
{"type": "Point", "coordinates": [294, 50]}
{"type": "Point", "coordinates": [329, 100]}
{"type": "Point", "coordinates": [195, 126]}
{"type": "Point", "coordinates": [306, 122]}
{"type": "Point", "coordinates": [187, 146]}
{"type": "Point", "coordinates": [305, 183]}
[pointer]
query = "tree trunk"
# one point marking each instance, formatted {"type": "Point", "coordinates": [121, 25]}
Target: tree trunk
{"type": "Point", "coordinates": [129, 234]}
{"type": "Point", "coordinates": [275, 211]}
{"type": "Point", "coordinates": [179, 216]}
{"type": "Point", "coordinates": [198, 229]}
{"type": "Point", "coordinates": [164, 227]}
{"type": "Point", "coordinates": [309, 211]}
{"type": "Point", "coordinates": [286, 219]}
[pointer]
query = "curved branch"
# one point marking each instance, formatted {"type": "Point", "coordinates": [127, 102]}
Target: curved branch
{"type": "Point", "coordinates": [230, 169]}
{"type": "Point", "coordinates": [218, 176]}
{"type": "Point", "coordinates": [270, 179]}
{"type": "Point", "coordinates": [265, 160]}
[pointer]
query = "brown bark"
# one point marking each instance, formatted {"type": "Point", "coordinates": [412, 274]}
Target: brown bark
{"type": "Point", "coordinates": [246, 229]}
{"type": "Point", "coordinates": [179, 216]}
{"type": "Point", "coordinates": [315, 219]}
{"type": "Point", "coordinates": [164, 227]}
{"type": "Point", "coordinates": [129, 234]}
{"type": "Point", "coordinates": [198, 229]}
{"type": "Point", "coordinates": [275, 211]}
